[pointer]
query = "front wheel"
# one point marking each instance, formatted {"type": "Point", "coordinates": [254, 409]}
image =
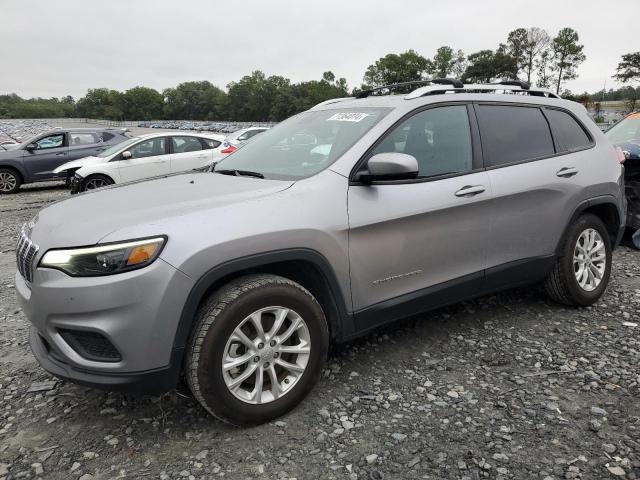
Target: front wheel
{"type": "Point", "coordinates": [258, 348]}
{"type": "Point", "coordinates": [582, 270]}
{"type": "Point", "coordinates": [94, 182]}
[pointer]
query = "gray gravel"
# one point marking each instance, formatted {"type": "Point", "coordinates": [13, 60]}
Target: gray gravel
{"type": "Point", "coordinates": [507, 386]}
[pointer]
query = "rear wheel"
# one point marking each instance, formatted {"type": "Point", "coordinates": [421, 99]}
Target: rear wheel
{"type": "Point", "coordinates": [9, 180]}
{"type": "Point", "coordinates": [581, 273]}
{"type": "Point", "coordinates": [94, 182]}
{"type": "Point", "coordinates": [258, 348]}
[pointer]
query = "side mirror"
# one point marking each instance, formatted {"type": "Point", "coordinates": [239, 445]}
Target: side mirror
{"type": "Point", "coordinates": [126, 155]}
{"type": "Point", "coordinates": [389, 166]}
{"type": "Point", "coordinates": [30, 148]}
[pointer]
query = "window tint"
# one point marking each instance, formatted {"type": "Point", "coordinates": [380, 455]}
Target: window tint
{"type": "Point", "coordinates": [512, 134]}
{"type": "Point", "coordinates": [148, 148]}
{"type": "Point", "coordinates": [186, 144]}
{"type": "Point", "coordinates": [439, 139]}
{"type": "Point", "coordinates": [210, 143]}
{"type": "Point", "coordinates": [52, 141]}
{"type": "Point", "coordinates": [568, 132]}
{"type": "Point", "coordinates": [76, 139]}
{"type": "Point", "coordinates": [106, 136]}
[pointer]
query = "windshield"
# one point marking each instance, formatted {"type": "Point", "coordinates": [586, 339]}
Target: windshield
{"type": "Point", "coordinates": [625, 131]}
{"type": "Point", "coordinates": [116, 148]}
{"type": "Point", "coordinates": [304, 144]}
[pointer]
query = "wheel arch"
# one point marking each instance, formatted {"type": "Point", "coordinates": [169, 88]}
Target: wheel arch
{"type": "Point", "coordinates": [307, 267]}
{"type": "Point", "coordinates": [606, 209]}
{"type": "Point", "coordinates": [22, 174]}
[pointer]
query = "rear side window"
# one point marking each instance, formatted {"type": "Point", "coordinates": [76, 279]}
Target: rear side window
{"type": "Point", "coordinates": [78, 139]}
{"type": "Point", "coordinates": [513, 134]}
{"type": "Point", "coordinates": [210, 143]}
{"type": "Point", "coordinates": [568, 132]}
{"type": "Point", "coordinates": [186, 144]}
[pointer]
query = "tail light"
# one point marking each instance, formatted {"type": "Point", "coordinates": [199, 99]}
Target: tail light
{"type": "Point", "coordinates": [621, 155]}
{"type": "Point", "coordinates": [229, 149]}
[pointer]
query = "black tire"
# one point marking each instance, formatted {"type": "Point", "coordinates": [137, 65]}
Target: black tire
{"type": "Point", "coordinates": [10, 181]}
{"type": "Point", "coordinates": [561, 284]}
{"type": "Point", "coordinates": [216, 321]}
{"type": "Point", "coordinates": [92, 179]}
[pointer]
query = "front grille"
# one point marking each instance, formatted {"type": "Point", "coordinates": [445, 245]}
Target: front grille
{"type": "Point", "coordinates": [91, 345]}
{"type": "Point", "coordinates": [26, 252]}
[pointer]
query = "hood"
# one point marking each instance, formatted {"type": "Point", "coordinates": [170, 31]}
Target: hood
{"type": "Point", "coordinates": [87, 218]}
{"type": "Point", "coordinates": [10, 154]}
{"type": "Point", "coordinates": [81, 162]}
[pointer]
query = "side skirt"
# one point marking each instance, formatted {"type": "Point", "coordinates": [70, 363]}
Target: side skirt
{"type": "Point", "coordinates": [510, 275]}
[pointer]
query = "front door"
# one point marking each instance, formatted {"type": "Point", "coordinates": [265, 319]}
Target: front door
{"type": "Point", "coordinates": [49, 153]}
{"type": "Point", "coordinates": [149, 158]}
{"type": "Point", "coordinates": [413, 238]}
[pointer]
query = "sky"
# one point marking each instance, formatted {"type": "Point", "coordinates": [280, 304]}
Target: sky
{"type": "Point", "coordinates": [64, 48]}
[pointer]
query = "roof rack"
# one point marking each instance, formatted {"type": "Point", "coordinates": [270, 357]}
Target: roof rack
{"type": "Point", "coordinates": [366, 93]}
{"type": "Point", "coordinates": [481, 88]}
{"type": "Point", "coordinates": [515, 83]}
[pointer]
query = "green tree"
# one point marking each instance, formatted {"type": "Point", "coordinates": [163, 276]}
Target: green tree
{"type": "Point", "coordinates": [516, 47]}
{"type": "Point", "coordinates": [142, 103]}
{"type": "Point", "coordinates": [101, 103]}
{"type": "Point", "coordinates": [566, 55]}
{"type": "Point", "coordinates": [194, 101]}
{"type": "Point", "coordinates": [542, 68]}
{"type": "Point", "coordinates": [486, 66]}
{"type": "Point", "coordinates": [628, 69]}
{"type": "Point", "coordinates": [396, 68]}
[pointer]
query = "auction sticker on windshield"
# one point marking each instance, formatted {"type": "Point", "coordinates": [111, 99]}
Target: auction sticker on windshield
{"type": "Point", "coordinates": [347, 117]}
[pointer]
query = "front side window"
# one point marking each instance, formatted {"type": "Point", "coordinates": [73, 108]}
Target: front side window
{"type": "Point", "coordinates": [148, 148]}
{"type": "Point", "coordinates": [513, 134]}
{"type": "Point", "coordinates": [186, 144]}
{"type": "Point", "coordinates": [439, 139]}
{"type": "Point", "coordinates": [52, 141]}
{"type": "Point", "coordinates": [568, 133]}
{"type": "Point", "coordinates": [305, 144]}
{"type": "Point", "coordinates": [76, 139]}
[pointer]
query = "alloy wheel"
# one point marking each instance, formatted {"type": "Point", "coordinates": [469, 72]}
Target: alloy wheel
{"type": "Point", "coordinates": [266, 355]}
{"type": "Point", "coordinates": [94, 183]}
{"type": "Point", "coordinates": [589, 259]}
{"type": "Point", "coordinates": [8, 182]}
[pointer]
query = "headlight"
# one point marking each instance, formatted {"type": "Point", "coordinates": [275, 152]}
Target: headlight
{"type": "Point", "coordinates": [104, 259]}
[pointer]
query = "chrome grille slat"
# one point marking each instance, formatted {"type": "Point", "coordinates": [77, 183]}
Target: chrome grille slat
{"type": "Point", "coordinates": [26, 252]}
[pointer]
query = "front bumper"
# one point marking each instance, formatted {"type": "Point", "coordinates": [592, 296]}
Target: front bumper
{"type": "Point", "coordinates": [137, 312]}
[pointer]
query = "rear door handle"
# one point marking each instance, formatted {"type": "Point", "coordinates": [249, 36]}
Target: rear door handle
{"type": "Point", "coordinates": [59, 154]}
{"type": "Point", "coordinates": [470, 190]}
{"type": "Point", "coordinates": [567, 172]}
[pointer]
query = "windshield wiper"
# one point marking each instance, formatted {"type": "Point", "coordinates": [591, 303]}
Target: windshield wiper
{"type": "Point", "coordinates": [240, 173]}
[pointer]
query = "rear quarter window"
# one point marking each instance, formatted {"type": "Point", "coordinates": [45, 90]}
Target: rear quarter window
{"type": "Point", "coordinates": [569, 134]}
{"type": "Point", "coordinates": [106, 136]}
{"type": "Point", "coordinates": [208, 143]}
{"type": "Point", "coordinates": [513, 134]}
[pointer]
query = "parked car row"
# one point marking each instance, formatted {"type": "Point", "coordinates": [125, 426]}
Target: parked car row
{"type": "Point", "coordinates": [14, 132]}
{"type": "Point", "coordinates": [218, 127]}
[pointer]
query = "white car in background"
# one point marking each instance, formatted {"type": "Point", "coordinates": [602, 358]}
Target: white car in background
{"type": "Point", "coordinates": [234, 140]}
{"type": "Point", "coordinates": [144, 156]}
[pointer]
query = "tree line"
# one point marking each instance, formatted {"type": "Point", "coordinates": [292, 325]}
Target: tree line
{"type": "Point", "coordinates": [528, 54]}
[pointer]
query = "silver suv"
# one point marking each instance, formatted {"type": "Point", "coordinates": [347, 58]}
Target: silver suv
{"type": "Point", "coordinates": [353, 214]}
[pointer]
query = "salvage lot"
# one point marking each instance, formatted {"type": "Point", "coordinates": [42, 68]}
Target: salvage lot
{"type": "Point", "coordinates": [508, 386]}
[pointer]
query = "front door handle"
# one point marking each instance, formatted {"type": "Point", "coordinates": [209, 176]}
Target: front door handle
{"type": "Point", "coordinates": [567, 172]}
{"type": "Point", "coordinates": [470, 190]}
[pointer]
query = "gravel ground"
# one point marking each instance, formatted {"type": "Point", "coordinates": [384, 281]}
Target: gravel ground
{"type": "Point", "coordinates": [507, 386]}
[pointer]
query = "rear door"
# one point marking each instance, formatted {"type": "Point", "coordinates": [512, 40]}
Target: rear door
{"type": "Point", "coordinates": [84, 144]}
{"type": "Point", "coordinates": [50, 152]}
{"type": "Point", "coordinates": [412, 238]}
{"type": "Point", "coordinates": [536, 186]}
{"type": "Point", "coordinates": [187, 153]}
{"type": "Point", "coordinates": [149, 158]}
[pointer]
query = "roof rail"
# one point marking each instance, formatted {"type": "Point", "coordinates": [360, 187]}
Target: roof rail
{"type": "Point", "coordinates": [515, 83]}
{"type": "Point", "coordinates": [480, 88]}
{"type": "Point", "coordinates": [448, 81]}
